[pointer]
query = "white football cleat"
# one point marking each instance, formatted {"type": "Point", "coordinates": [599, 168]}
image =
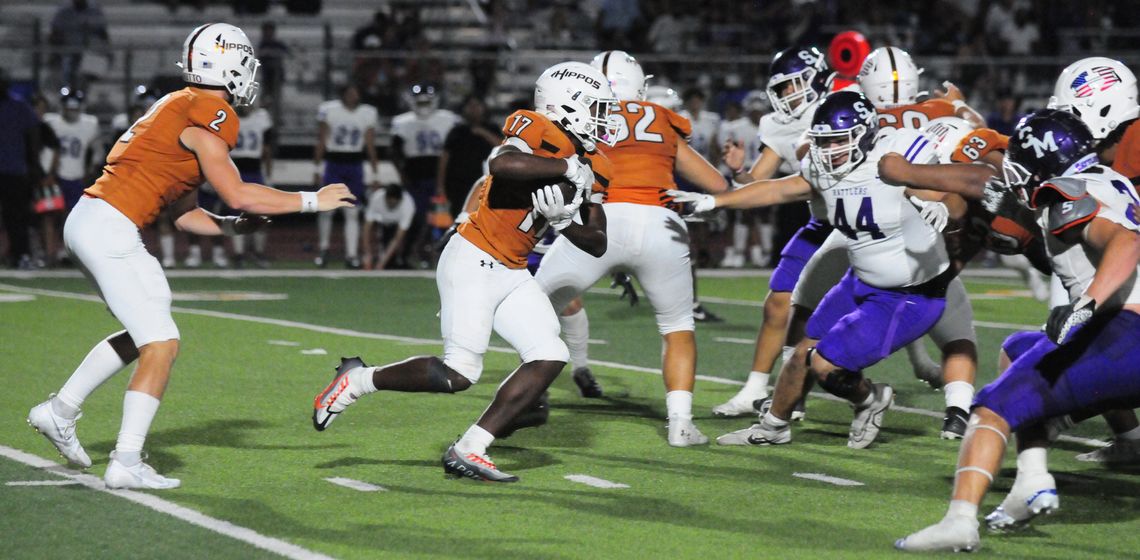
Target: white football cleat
{"type": "Point", "coordinates": [59, 431]}
{"type": "Point", "coordinates": [337, 396]}
{"type": "Point", "coordinates": [140, 476]}
{"type": "Point", "coordinates": [683, 433]}
{"type": "Point", "coordinates": [1118, 452]}
{"type": "Point", "coordinates": [868, 419]}
{"type": "Point", "coordinates": [739, 405]}
{"type": "Point", "coordinates": [1031, 495]}
{"type": "Point", "coordinates": [953, 534]}
{"type": "Point", "coordinates": [760, 433]}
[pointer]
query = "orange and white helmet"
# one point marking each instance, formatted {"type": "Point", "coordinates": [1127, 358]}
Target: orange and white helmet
{"type": "Point", "coordinates": [1101, 91]}
{"type": "Point", "coordinates": [220, 55]}
{"type": "Point", "coordinates": [626, 77]}
{"type": "Point", "coordinates": [889, 78]}
{"type": "Point", "coordinates": [947, 133]}
{"type": "Point", "coordinates": [579, 97]}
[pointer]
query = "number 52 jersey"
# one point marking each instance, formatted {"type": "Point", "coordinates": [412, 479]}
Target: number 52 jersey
{"type": "Point", "coordinates": [889, 244]}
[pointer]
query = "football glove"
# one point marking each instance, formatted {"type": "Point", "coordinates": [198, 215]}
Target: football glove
{"type": "Point", "coordinates": [548, 201]}
{"type": "Point", "coordinates": [243, 224]}
{"type": "Point", "coordinates": [1064, 319]}
{"type": "Point", "coordinates": [579, 172]}
{"type": "Point", "coordinates": [934, 213]}
{"type": "Point", "coordinates": [697, 203]}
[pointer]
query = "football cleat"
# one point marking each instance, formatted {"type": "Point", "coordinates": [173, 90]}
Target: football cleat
{"type": "Point", "coordinates": [683, 433]}
{"type": "Point", "coordinates": [337, 396]}
{"type": "Point", "coordinates": [868, 419]}
{"type": "Point", "coordinates": [587, 384]}
{"type": "Point", "coordinates": [740, 404]}
{"type": "Point", "coordinates": [929, 374]}
{"type": "Point", "coordinates": [799, 412]}
{"type": "Point", "coordinates": [322, 259]}
{"type": "Point", "coordinates": [139, 476]}
{"type": "Point", "coordinates": [534, 416]}
{"type": "Point", "coordinates": [1118, 452]}
{"type": "Point", "coordinates": [954, 423]}
{"type": "Point", "coordinates": [59, 431]}
{"type": "Point", "coordinates": [1031, 495]}
{"type": "Point", "coordinates": [473, 466]}
{"type": "Point", "coordinates": [702, 315]}
{"type": "Point", "coordinates": [761, 433]}
{"type": "Point", "coordinates": [953, 534]}
{"type": "Point", "coordinates": [352, 263]}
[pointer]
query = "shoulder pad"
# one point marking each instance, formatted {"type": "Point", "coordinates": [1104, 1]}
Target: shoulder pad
{"type": "Point", "coordinates": [1067, 214]}
{"type": "Point", "coordinates": [1058, 188]}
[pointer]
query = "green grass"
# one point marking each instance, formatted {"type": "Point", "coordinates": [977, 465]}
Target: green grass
{"type": "Point", "coordinates": [235, 428]}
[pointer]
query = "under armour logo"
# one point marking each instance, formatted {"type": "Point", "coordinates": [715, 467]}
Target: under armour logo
{"type": "Point", "coordinates": [488, 264]}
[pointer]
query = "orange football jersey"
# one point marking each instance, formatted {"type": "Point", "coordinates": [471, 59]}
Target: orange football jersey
{"type": "Point", "coordinates": [978, 143]}
{"type": "Point", "coordinates": [645, 152]}
{"type": "Point", "coordinates": [148, 168]}
{"type": "Point", "coordinates": [1127, 160]}
{"type": "Point", "coordinates": [505, 225]}
{"type": "Point", "coordinates": [915, 116]}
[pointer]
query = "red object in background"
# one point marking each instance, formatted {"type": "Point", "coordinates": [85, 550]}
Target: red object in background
{"type": "Point", "coordinates": [845, 55]}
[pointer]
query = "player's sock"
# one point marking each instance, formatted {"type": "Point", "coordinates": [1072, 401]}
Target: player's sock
{"type": "Point", "coordinates": [475, 440]}
{"type": "Point", "coordinates": [360, 380]}
{"type": "Point", "coordinates": [324, 230]}
{"type": "Point", "coordinates": [238, 244]}
{"type": "Point", "coordinates": [767, 232]}
{"type": "Point", "coordinates": [679, 405]}
{"type": "Point", "coordinates": [351, 232]}
{"type": "Point", "coordinates": [259, 238]}
{"type": "Point", "coordinates": [962, 508]}
{"type": "Point", "coordinates": [166, 244]}
{"type": "Point", "coordinates": [757, 384]}
{"type": "Point", "coordinates": [1131, 435]}
{"type": "Point", "coordinates": [1032, 461]}
{"type": "Point", "coordinates": [138, 411]}
{"type": "Point", "coordinates": [576, 333]}
{"type": "Point", "coordinates": [771, 420]}
{"type": "Point", "coordinates": [959, 394]}
{"type": "Point", "coordinates": [740, 237]}
{"type": "Point", "coordinates": [100, 364]}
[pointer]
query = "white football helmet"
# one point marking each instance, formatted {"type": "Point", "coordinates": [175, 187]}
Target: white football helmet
{"type": "Point", "coordinates": [1101, 91]}
{"type": "Point", "coordinates": [889, 78]}
{"type": "Point", "coordinates": [578, 97]}
{"type": "Point", "coordinates": [948, 133]}
{"type": "Point", "coordinates": [664, 96]}
{"type": "Point", "coordinates": [220, 55]}
{"type": "Point", "coordinates": [626, 77]}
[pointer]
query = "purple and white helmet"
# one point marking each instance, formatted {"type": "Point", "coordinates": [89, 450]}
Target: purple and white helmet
{"type": "Point", "coordinates": [842, 132]}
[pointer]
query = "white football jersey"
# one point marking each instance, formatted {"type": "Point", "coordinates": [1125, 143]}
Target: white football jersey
{"type": "Point", "coordinates": [744, 132]}
{"type": "Point", "coordinates": [120, 122]}
{"type": "Point", "coordinates": [378, 211]}
{"type": "Point", "coordinates": [783, 135]}
{"type": "Point", "coordinates": [346, 127]}
{"type": "Point", "coordinates": [75, 138]}
{"type": "Point", "coordinates": [251, 134]}
{"type": "Point", "coordinates": [1075, 265]}
{"type": "Point", "coordinates": [706, 129]}
{"type": "Point", "coordinates": [888, 242]}
{"type": "Point", "coordinates": [424, 136]}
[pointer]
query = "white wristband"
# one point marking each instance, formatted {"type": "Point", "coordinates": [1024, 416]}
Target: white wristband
{"type": "Point", "coordinates": [308, 202]}
{"type": "Point", "coordinates": [958, 104]}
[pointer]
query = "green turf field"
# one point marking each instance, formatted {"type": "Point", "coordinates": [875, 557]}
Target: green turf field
{"type": "Point", "coordinates": [235, 428]}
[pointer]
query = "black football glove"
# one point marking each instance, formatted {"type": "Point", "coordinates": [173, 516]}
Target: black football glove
{"type": "Point", "coordinates": [1064, 319]}
{"type": "Point", "coordinates": [622, 279]}
{"type": "Point", "coordinates": [249, 223]}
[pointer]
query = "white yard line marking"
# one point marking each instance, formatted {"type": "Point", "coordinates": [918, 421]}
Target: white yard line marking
{"type": "Point", "coordinates": [827, 478]}
{"type": "Point", "coordinates": [358, 485]}
{"type": "Point", "coordinates": [597, 341]}
{"type": "Point", "coordinates": [16, 298]}
{"type": "Point", "coordinates": [160, 505]}
{"type": "Point", "coordinates": [229, 296]}
{"type": "Point", "coordinates": [315, 352]}
{"type": "Point", "coordinates": [283, 343]}
{"type": "Point", "coordinates": [594, 481]}
{"type": "Point", "coordinates": [411, 340]}
{"type": "Point", "coordinates": [730, 340]}
{"type": "Point", "coordinates": [42, 483]}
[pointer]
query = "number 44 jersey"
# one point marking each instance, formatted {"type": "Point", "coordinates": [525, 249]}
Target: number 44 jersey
{"type": "Point", "coordinates": [888, 242]}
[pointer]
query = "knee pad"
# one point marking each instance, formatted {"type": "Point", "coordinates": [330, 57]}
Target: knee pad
{"type": "Point", "coordinates": [444, 379]}
{"type": "Point", "coordinates": [466, 363]}
{"type": "Point", "coordinates": [839, 382]}
{"type": "Point", "coordinates": [123, 345]}
{"type": "Point", "coordinates": [553, 350]}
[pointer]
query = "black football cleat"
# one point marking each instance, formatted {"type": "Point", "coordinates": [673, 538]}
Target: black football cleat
{"type": "Point", "coordinates": [473, 466]}
{"type": "Point", "coordinates": [702, 315]}
{"type": "Point", "coordinates": [532, 417]}
{"type": "Point", "coordinates": [336, 397]}
{"type": "Point", "coordinates": [954, 423]}
{"type": "Point", "coordinates": [587, 384]}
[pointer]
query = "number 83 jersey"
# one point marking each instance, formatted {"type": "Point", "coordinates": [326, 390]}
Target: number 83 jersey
{"type": "Point", "coordinates": [888, 242]}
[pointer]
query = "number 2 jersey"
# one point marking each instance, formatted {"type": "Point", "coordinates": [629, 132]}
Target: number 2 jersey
{"type": "Point", "coordinates": [645, 152]}
{"type": "Point", "coordinates": [505, 225]}
{"type": "Point", "coordinates": [148, 167]}
{"type": "Point", "coordinates": [888, 242]}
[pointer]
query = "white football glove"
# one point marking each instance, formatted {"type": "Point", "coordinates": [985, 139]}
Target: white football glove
{"type": "Point", "coordinates": [579, 173]}
{"type": "Point", "coordinates": [934, 213]}
{"type": "Point", "coordinates": [549, 202]}
{"type": "Point", "coordinates": [701, 202]}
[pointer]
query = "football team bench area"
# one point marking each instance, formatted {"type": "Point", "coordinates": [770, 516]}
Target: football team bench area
{"type": "Point", "coordinates": [598, 481]}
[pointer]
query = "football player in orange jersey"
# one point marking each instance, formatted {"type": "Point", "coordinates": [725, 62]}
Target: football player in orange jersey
{"type": "Point", "coordinates": [482, 277]}
{"type": "Point", "coordinates": [182, 141]}
{"type": "Point", "coordinates": [647, 238]}
{"type": "Point", "coordinates": [889, 78]}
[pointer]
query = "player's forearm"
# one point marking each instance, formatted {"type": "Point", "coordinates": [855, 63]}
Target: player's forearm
{"type": "Point", "coordinates": [765, 193]}
{"type": "Point", "coordinates": [1118, 262]}
{"type": "Point", "coordinates": [394, 247]}
{"type": "Point", "coordinates": [522, 166]}
{"type": "Point", "coordinates": [964, 179]}
{"type": "Point", "coordinates": [366, 239]}
{"type": "Point", "coordinates": [764, 168]}
{"type": "Point", "coordinates": [199, 222]}
{"type": "Point", "coordinates": [262, 200]}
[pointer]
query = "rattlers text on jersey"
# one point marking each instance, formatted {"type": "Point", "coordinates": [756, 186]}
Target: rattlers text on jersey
{"type": "Point", "coordinates": [347, 127]}
{"type": "Point", "coordinates": [148, 168]}
{"type": "Point", "coordinates": [75, 138]}
{"type": "Point", "coordinates": [505, 225]}
{"type": "Point", "coordinates": [645, 152]}
{"type": "Point", "coordinates": [915, 116]}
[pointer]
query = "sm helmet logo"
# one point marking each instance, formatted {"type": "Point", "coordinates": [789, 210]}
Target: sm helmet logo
{"type": "Point", "coordinates": [809, 57]}
{"type": "Point", "coordinates": [1041, 145]}
{"type": "Point", "coordinates": [865, 114]}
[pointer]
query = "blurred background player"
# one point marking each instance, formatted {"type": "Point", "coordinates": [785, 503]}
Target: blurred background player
{"type": "Point", "coordinates": [391, 210]}
{"type": "Point", "coordinates": [347, 134]}
{"type": "Point", "coordinates": [253, 156]}
{"type": "Point", "coordinates": [705, 126]}
{"type": "Point", "coordinates": [751, 229]}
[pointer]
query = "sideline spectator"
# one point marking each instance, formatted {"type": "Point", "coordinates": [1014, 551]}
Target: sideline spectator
{"type": "Point", "coordinates": [464, 152]}
{"type": "Point", "coordinates": [1005, 118]}
{"type": "Point", "coordinates": [393, 210]}
{"type": "Point", "coordinates": [78, 27]}
{"type": "Point", "coordinates": [19, 163]}
{"type": "Point", "coordinates": [272, 52]}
